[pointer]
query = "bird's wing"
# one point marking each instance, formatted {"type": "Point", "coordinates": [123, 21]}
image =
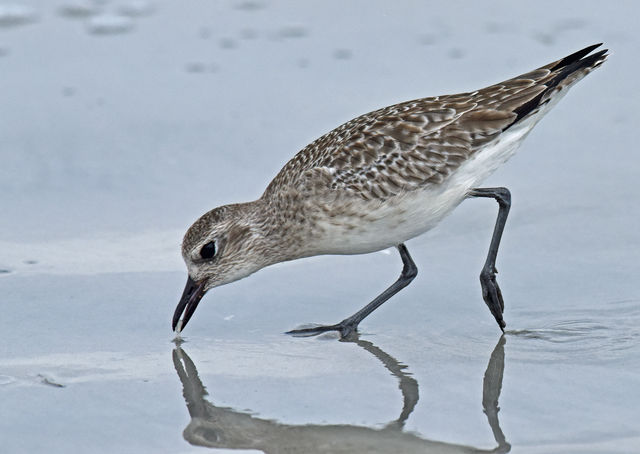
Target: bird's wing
{"type": "Point", "coordinates": [421, 142]}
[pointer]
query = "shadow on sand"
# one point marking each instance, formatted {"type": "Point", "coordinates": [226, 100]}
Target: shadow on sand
{"type": "Point", "coordinates": [219, 427]}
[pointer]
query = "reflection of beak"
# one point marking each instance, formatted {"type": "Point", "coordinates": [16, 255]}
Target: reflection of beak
{"type": "Point", "coordinates": [193, 293]}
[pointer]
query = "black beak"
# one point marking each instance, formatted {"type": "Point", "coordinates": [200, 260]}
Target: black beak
{"type": "Point", "coordinates": [193, 293]}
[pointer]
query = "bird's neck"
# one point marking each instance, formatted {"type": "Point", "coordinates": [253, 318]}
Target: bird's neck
{"type": "Point", "coordinates": [276, 230]}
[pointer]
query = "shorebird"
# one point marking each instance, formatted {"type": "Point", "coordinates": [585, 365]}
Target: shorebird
{"type": "Point", "coordinates": [377, 181]}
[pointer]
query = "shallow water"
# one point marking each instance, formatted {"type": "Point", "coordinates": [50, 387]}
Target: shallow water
{"type": "Point", "coordinates": [121, 122]}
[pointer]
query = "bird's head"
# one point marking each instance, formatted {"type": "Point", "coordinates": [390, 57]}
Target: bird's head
{"type": "Point", "coordinates": [224, 245]}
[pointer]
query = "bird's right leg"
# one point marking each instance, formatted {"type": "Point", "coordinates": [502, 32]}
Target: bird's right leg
{"type": "Point", "coordinates": [490, 290]}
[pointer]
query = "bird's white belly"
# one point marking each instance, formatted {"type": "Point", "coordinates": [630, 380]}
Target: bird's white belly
{"type": "Point", "coordinates": [368, 226]}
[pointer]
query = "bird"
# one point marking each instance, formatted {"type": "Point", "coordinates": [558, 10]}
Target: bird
{"type": "Point", "coordinates": [377, 181]}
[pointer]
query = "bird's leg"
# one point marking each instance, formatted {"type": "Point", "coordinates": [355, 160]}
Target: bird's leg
{"type": "Point", "coordinates": [490, 290]}
{"type": "Point", "coordinates": [350, 324]}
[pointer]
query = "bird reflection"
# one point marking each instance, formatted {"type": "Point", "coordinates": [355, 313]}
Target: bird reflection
{"type": "Point", "coordinates": [219, 427]}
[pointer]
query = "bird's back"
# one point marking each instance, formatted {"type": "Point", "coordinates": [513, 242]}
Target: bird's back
{"type": "Point", "coordinates": [421, 143]}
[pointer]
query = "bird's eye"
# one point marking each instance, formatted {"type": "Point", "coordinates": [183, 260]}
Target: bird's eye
{"type": "Point", "coordinates": [208, 250]}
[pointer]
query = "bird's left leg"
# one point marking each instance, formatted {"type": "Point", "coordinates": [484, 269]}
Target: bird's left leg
{"type": "Point", "coordinates": [490, 290]}
{"type": "Point", "coordinates": [350, 324]}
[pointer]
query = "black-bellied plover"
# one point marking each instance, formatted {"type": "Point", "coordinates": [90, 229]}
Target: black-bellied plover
{"type": "Point", "coordinates": [377, 181]}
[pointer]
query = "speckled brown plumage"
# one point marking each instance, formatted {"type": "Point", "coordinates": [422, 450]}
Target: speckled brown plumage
{"type": "Point", "coordinates": [421, 142]}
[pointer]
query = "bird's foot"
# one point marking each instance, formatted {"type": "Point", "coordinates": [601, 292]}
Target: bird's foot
{"type": "Point", "coordinates": [492, 295]}
{"type": "Point", "coordinates": [344, 328]}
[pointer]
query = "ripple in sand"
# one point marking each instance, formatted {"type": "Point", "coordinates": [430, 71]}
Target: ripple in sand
{"type": "Point", "coordinates": [249, 5]}
{"type": "Point", "coordinates": [6, 380]}
{"type": "Point", "coordinates": [292, 32]}
{"type": "Point", "coordinates": [12, 15]}
{"type": "Point", "coordinates": [109, 24]}
{"type": "Point", "coordinates": [342, 54]}
{"type": "Point", "coordinates": [78, 9]}
{"type": "Point", "coordinates": [136, 8]}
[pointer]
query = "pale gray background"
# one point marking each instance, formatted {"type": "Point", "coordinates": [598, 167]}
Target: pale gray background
{"type": "Point", "coordinates": [122, 122]}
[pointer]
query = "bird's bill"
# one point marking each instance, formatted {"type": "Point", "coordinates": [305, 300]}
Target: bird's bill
{"type": "Point", "coordinates": [193, 293]}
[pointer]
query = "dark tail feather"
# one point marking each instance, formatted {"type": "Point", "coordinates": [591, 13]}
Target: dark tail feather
{"type": "Point", "coordinates": [586, 62]}
{"type": "Point", "coordinates": [574, 57]}
{"type": "Point", "coordinates": [564, 68]}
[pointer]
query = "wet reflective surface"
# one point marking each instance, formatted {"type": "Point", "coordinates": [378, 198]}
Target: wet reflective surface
{"type": "Point", "coordinates": [220, 427]}
{"type": "Point", "coordinates": [122, 122]}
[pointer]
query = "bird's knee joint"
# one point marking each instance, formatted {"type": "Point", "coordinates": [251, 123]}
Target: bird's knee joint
{"type": "Point", "coordinates": [504, 197]}
{"type": "Point", "coordinates": [410, 272]}
{"type": "Point", "coordinates": [487, 275]}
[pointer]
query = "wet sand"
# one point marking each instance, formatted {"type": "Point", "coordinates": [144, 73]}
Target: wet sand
{"type": "Point", "coordinates": [120, 123]}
